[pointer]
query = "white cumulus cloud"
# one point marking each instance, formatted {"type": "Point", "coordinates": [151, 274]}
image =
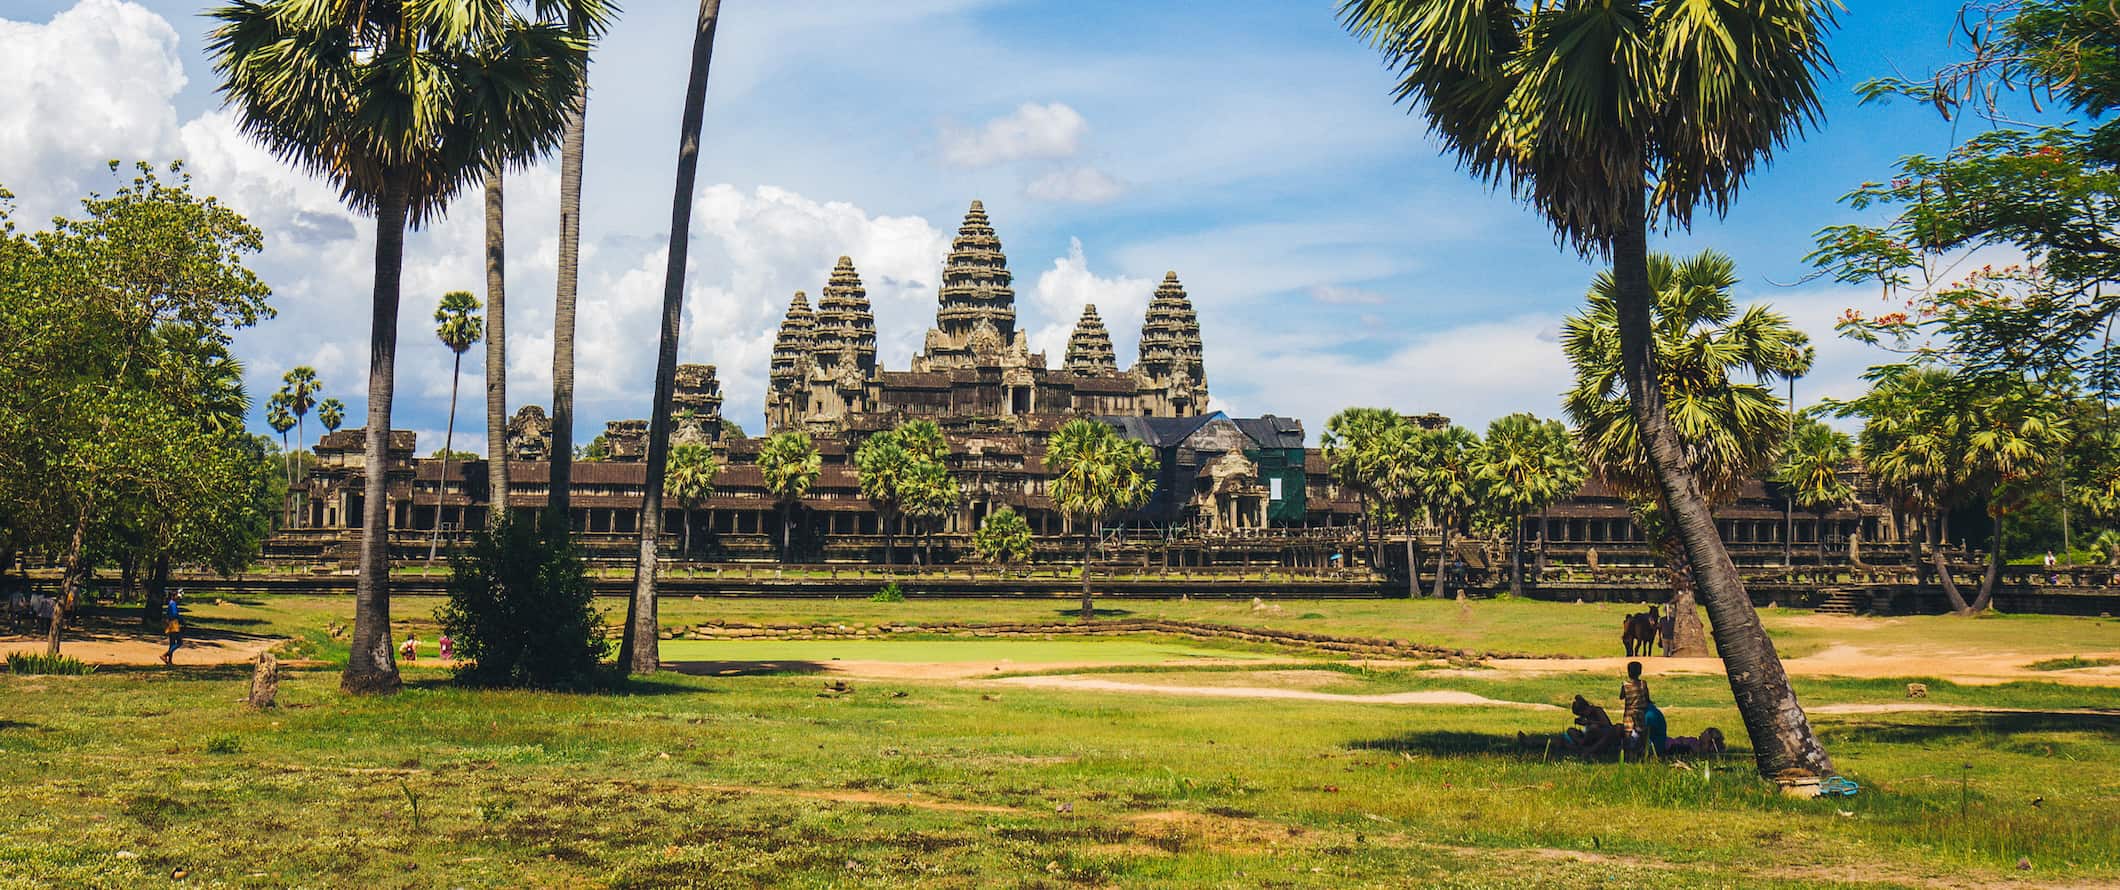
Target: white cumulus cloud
{"type": "Point", "coordinates": [1061, 292]}
{"type": "Point", "coordinates": [94, 84]}
{"type": "Point", "coordinates": [1032, 131]}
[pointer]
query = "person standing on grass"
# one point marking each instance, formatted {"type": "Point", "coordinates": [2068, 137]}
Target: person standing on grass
{"type": "Point", "coordinates": [172, 626]}
{"type": "Point", "coordinates": [411, 650]}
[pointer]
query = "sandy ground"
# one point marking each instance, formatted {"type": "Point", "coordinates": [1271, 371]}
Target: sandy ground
{"type": "Point", "coordinates": [1105, 684]}
{"type": "Point", "coordinates": [105, 648]}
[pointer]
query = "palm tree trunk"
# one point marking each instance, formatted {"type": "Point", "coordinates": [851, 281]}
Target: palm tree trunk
{"type": "Point", "coordinates": [1783, 742]}
{"type": "Point", "coordinates": [1516, 560]}
{"type": "Point", "coordinates": [441, 489]}
{"type": "Point", "coordinates": [1362, 504]}
{"type": "Point", "coordinates": [371, 667]}
{"type": "Point", "coordinates": [1413, 568]}
{"type": "Point", "coordinates": [890, 554]}
{"type": "Point", "coordinates": [301, 441]}
{"type": "Point", "coordinates": [496, 353]}
{"type": "Point", "coordinates": [1089, 546]}
{"type": "Point", "coordinates": [640, 652]}
{"type": "Point", "coordinates": [1994, 572]}
{"type": "Point", "coordinates": [1943, 571]}
{"type": "Point", "coordinates": [72, 575]}
{"type": "Point", "coordinates": [559, 501]}
{"type": "Point", "coordinates": [787, 529]}
{"type": "Point", "coordinates": [1442, 560]}
{"type": "Point", "coordinates": [1822, 547]}
{"type": "Point", "coordinates": [687, 544]}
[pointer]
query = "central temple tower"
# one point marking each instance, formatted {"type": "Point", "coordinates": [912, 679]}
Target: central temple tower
{"type": "Point", "coordinates": [975, 315]}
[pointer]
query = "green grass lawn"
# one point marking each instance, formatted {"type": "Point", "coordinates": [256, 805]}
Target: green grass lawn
{"type": "Point", "coordinates": [122, 777]}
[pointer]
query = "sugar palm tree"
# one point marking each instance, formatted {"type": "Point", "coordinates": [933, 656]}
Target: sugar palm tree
{"type": "Point", "coordinates": [300, 384]}
{"type": "Point", "coordinates": [1446, 480]}
{"type": "Point", "coordinates": [931, 496]}
{"type": "Point", "coordinates": [1351, 450]}
{"type": "Point", "coordinates": [1716, 369]}
{"type": "Point", "coordinates": [458, 326]}
{"type": "Point", "coordinates": [790, 463]}
{"type": "Point", "coordinates": [586, 20]}
{"type": "Point", "coordinates": [886, 467]}
{"type": "Point", "coordinates": [638, 652]}
{"type": "Point", "coordinates": [1097, 475]}
{"type": "Point", "coordinates": [1810, 469]}
{"type": "Point", "coordinates": [399, 105]}
{"type": "Point", "coordinates": [281, 420]}
{"type": "Point", "coordinates": [692, 471]}
{"type": "Point", "coordinates": [1908, 454]}
{"type": "Point", "coordinates": [332, 414]}
{"type": "Point", "coordinates": [1387, 463]}
{"type": "Point", "coordinates": [1608, 118]}
{"type": "Point", "coordinates": [1525, 464]}
{"type": "Point", "coordinates": [497, 488]}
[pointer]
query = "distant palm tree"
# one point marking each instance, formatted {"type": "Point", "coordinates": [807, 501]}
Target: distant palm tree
{"type": "Point", "coordinates": [1609, 118]}
{"type": "Point", "coordinates": [331, 413]}
{"type": "Point", "coordinates": [281, 420]}
{"type": "Point", "coordinates": [300, 384]}
{"type": "Point", "coordinates": [790, 463]}
{"type": "Point", "coordinates": [931, 496]}
{"type": "Point", "coordinates": [886, 470]}
{"type": "Point", "coordinates": [1526, 464]}
{"type": "Point", "coordinates": [1445, 475]}
{"type": "Point", "coordinates": [1096, 475]}
{"type": "Point", "coordinates": [458, 326]}
{"type": "Point", "coordinates": [639, 649]}
{"type": "Point", "coordinates": [1810, 468]}
{"type": "Point", "coordinates": [399, 105]}
{"type": "Point", "coordinates": [1352, 450]}
{"type": "Point", "coordinates": [692, 471]}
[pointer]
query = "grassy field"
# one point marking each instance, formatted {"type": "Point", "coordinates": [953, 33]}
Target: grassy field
{"type": "Point", "coordinates": [130, 775]}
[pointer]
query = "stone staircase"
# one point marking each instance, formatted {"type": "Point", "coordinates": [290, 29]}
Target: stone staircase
{"type": "Point", "coordinates": [1843, 601]}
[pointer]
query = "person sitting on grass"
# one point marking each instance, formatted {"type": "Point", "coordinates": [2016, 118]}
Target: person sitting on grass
{"type": "Point", "coordinates": [1593, 735]}
{"type": "Point", "coordinates": [1708, 744]}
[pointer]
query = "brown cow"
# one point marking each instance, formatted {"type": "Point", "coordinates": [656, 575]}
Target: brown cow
{"type": "Point", "coordinates": [1637, 632]}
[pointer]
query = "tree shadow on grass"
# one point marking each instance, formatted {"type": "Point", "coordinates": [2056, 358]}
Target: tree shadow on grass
{"type": "Point", "coordinates": [744, 668]}
{"type": "Point", "coordinates": [1076, 612]}
{"type": "Point", "coordinates": [1957, 725]}
{"type": "Point", "coordinates": [1441, 743]}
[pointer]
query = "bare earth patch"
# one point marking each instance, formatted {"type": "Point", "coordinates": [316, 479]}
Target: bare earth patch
{"type": "Point", "coordinates": [1425, 697]}
{"type": "Point", "coordinates": [1968, 667]}
{"type": "Point", "coordinates": [117, 649]}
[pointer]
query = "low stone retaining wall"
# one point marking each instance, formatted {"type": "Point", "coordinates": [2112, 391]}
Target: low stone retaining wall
{"type": "Point", "coordinates": [1365, 646]}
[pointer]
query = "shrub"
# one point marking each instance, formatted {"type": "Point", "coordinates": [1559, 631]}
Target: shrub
{"type": "Point", "coordinates": [224, 743]}
{"type": "Point", "coordinates": [40, 663]}
{"type": "Point", "coordinates": [1003, 538]}
{"type": "Point", "coordinates": [891, 593]}
{"type": "Point", "coordinates": [522, 611]}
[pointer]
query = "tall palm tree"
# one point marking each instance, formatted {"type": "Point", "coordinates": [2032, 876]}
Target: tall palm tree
{"type": "Point", "coordinates": [1096, 475]}
{"type": "Point", "coordinates": [332, 414]}
{"type": "Point", "coordinates": [399, 105]}
{"type": "Point", "coordinates": [639, 650]}
{"type": "Point", "coordinates": [691, 478]}
{"type": "Point", "coordinates": [497, 488]}
{"type": "Point", "coordinates": [1525, 464]}
{"type": "Point", "coordinates": [1810, 470]}
{"type": "Point", "coordinates": [1388, 465]}
{"type": "Point", "coordinates": [790, 463]}
{"type": "Point", "coordinates": [1351, 450]}
{"type": "Point", "coordinates": [301, 386]}
{"type": "Point", "coordinates": [886, 468]}
{"type": "Point", "coordinates": [1730, 431]}
{"type": "Point", "coordinates": [1445, 476]}
{"type": "Point", "coordinates": [281, 420]}
{"type": "Point", "coordinates": [1906, 453]}
{"type": "Point", "coordinates": [457, 325]}
{"type": "Point", "coordinates": [931, 496]}
{"type": "Point", "coordinates": [587, 20]}
{"type": "Point", "coordinates": [1608, 118]}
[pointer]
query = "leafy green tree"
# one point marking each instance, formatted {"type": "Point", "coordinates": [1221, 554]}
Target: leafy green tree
{"type": "Point", "coordinates": [1097, 475]}
{"type": "Point", "coordinates": [1608, 119]}
{"type": "Point", "coordinates": [692, 471]}
{"type": "Point", "coordinates": [1715, 370]}
{"type": "Point", "coordinates": [1525, 464]}
{"type": "Point", "coordinates": [115, 399]}
{"type": "Point", "coordinates": [1810, 469]}
{"type": "Point", "coordinates": [1003, 538]}
{"type": "Point", "coordinates": [732, 430]}
{"type": "Point", "coordinates": [331, 413]}
{"type": "Point", "coordinates": [458, 326]}
{"type": "Point", "coordinates": [522, 610]}
{"type": "Point", "coordinates": [399, 105]}
{"type": "Point", "coordinates": [639, 650]}
{"type": "Point", "coordinates": [789, 462]}
{"type": "Point", "coordinates": [1352, 447]}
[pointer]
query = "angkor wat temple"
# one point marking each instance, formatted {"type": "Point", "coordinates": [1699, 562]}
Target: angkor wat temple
{"type": "Point", "coordinates": [1228, 488]}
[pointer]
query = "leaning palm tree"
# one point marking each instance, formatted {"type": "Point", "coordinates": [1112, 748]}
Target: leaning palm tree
{"type": "Point", "coordinates": [1097, 475]}
{"type": "Point", "coordinates": [790, 463]}
{"type": "Point", "coordinates": [691, 478]}
{"type": "Point", "coordinates": [1730, 430]}
{"type": "Point", "coordinates": [400, 105]}
{"type": "Point", "coordinates": [1610, 118]}
{"type": "Point", "coordinates": [332, 414]}
{"type": "Point", "coordinates": [587, 20]}
{"type": "Point", "coordinates": [1525, 464]}
{"type": "Point", "coordinates": [638, 652]}
{"type": "Point", "coordinates": [1810, 469]}
{"type": "Point", "coordinates": [457, 325]}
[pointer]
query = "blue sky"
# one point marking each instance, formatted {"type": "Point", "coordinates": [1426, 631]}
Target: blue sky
{"type": "Point", "coordinates": [1334, 256]}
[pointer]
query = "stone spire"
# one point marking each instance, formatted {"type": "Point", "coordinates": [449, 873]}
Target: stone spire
{"type": "Point", "coordinates": [1089, 351]}
{"type": "Point", "coordinates": [845, 327]}
{"type": "Point", "coordinates": [1171, 363]}
{"type": "Point", "coordinates": [792, 347]}
{"type": "Point", "coordinates": [975, 298]}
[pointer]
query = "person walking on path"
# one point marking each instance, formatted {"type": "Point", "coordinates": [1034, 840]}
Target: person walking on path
{"type": "Point", "coordinates": [172, 626]}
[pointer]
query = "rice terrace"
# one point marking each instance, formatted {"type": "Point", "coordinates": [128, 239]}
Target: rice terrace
{"type": "Point", "coordinates": [1367, 443]}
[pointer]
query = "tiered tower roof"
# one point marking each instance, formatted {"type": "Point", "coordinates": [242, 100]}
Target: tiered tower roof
{"type": "Point", "coordinates": [976, 283]}
{"type": "Point", "coordinates": [1089, 351]}
{"type": "Point", "coordinates": [1171, 355]}
{"type": "Point", "coordinates": [844, 322]}
{"type": "Point", "coordinates": [795, 342]}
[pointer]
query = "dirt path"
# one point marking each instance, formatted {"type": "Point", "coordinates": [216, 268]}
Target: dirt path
{"type": "Point", "coordinates": [1426, 697]}
{"type": "Point", "coordinates": [1971, 668]}
{"type": "Point", "coordinates": [1923, 707]}
{"type": "Point", "coordinates": [116, 649]}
